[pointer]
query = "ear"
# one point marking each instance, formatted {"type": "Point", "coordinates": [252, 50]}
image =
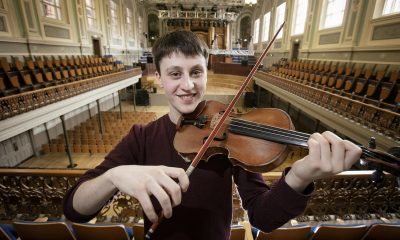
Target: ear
{"type": "Point", "coordinates": [158, 80]}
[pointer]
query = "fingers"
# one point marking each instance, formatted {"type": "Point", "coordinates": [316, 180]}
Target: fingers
{"type": "Point", "coordinates": [337, 151]}
{"type": "Point", "coordinates": [147, 207]}
{"type": "Point", "coordinates": [353, 154]}
{"type": "Point", "coordinates": [167, 192]}
{"type": "Point", "coordinates": [179, 174]}
{"type": "Point", "coordinates": [335, 154]}
{"type": "Point", "coordinates": [162, 197]}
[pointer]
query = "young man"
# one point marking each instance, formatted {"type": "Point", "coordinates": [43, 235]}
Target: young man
{"type": "Point", "coordinates": [145, 164]}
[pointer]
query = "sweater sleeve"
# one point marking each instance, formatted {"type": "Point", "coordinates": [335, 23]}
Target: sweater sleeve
{"type": "Point", "coordinates": [127, 151]}
{"type": "Point", "coordinates": [269, 208]}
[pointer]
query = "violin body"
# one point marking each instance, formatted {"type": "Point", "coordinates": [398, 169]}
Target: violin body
{"type": "Point", "coordinates": [253, 154]}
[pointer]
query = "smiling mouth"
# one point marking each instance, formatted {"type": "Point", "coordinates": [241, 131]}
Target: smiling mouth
{"type": "Point", "coordinates": [187, 97]}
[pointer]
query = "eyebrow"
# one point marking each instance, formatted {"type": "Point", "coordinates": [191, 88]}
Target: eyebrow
{"type": "Point", "coordinates": [174, 68]}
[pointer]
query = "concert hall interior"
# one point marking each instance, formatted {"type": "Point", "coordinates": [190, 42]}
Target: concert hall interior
{"type": "Point", "coordinates": [76, 75]}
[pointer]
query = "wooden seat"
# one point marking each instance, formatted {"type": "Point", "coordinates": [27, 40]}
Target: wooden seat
{"type": "Point", "coordinates": [43, 231]}
{"type": "Point", "coordinates": [382, 231]}
{"type": "Point", "coordinates": [138, 231]}
{"type": "Point", "coordinates": [101, 231]}
{"type": "Point", "coordinates": [299, 232]}
{"type": "Point", "coordinates": [85, 148]}
{"type": "Point", "coordinates": [237, 233]}
{"type": "Point", "coordinates": [336, 231]}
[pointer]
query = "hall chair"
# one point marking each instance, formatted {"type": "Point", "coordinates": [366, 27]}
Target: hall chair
{"type": "Point", "coordinates": [138, 231]}
{"type": "Point", "coordinates": [7, 232]}
{"type": "Point", "coordinates": [382, 231]}
{"type": "Point", "coordinates": [297, 232]}
{"type": "Point", "coordinates": [237, 232]}
{"type": "Point", "coordinates": [325, 231]}
{"type": "Point", "coordinates": [86, 231]}
{"type": "Point", "coordinates": [44, 230]}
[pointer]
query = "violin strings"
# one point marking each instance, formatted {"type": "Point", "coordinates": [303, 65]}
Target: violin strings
{"type": "Point", "coordinates": [279, 132]}
{"type": "Point", "coordinates": [272, 128]}
{"type": "Point", "coordinates": [286, 133]}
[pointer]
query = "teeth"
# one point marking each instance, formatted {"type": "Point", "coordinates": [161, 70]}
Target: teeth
{"type": "Point", "coordinates": [186, 97]}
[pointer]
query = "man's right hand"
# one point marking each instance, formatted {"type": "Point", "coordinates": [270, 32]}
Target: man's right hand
{"type": "Point", "coordinates": [141, 182]}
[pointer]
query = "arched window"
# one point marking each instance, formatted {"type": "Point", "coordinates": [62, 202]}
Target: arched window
{"type": "Point", "coordinates": [256, 30]}
{"type": "Point", "coordinates": [245, 31]}
{"type": "Point", "coordinates": [265, 30]}
{"type": "Point", "coordinates": [114, 19]}
{"type": "Point", "coordinates": [280, 18]}
{"type": "Point", "coordinates": [332, 13]}
{"type": "Point", "coordinates": [52, 9]}
{"type": "Point", "coordinates": [300, 9]}
{"type": "Point", "coordinates": [91, 13]}
{"type": "Point", "coordinates": [386, 7]}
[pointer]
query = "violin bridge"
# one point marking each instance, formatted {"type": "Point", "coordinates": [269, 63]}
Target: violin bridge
{"type": "Point", "coordinates": [215, 119]}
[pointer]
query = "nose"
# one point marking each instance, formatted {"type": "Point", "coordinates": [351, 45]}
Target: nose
{"type": "Point", "coordinates": [187, 82]}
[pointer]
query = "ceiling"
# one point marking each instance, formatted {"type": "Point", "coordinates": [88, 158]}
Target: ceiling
{"type": "Point", "coordinates": [199, 3]}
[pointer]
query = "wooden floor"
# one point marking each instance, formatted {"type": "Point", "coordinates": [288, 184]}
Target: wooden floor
{"type": "Point", "coordinates": [87, 161]}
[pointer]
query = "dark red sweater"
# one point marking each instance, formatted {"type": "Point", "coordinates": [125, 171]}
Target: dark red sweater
{"type": "Point", "coordinates": [206, 208]}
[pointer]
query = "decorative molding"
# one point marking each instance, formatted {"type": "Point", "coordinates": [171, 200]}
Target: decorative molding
{"type": "Point", "coordinates": [331, 38]}
{"type": "Point", "coordinates": [29, 193]}
{"type": "Point", "coordinates": [388, 31]}
{"type": "Point", "coordinates": [56, 32]}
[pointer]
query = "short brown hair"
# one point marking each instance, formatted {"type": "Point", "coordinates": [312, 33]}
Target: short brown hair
{"type": "Point", "coordinates": [185, 42]}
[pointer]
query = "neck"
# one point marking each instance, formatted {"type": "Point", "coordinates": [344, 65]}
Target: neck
{"type": "Point", "coordinates": [173, 117]}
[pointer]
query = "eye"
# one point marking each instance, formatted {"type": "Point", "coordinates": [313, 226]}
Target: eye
{"type": "Point", "coordinates": [197, 73]}
{"type": "Point", "coordinates": [175, 75]}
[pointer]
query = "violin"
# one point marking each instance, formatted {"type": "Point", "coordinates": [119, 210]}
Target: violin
{"type": "Point", "coordinates": [258, 140]}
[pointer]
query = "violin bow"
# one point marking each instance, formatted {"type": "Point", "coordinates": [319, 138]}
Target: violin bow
{"type": "Point", "coordinates": [220, 122]}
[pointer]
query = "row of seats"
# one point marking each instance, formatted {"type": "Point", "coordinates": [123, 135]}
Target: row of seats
{"type": "Point", "coordinates": [76, 231]}
{"type": "Point", "coordinates": [376, 231]}
{"type": "Point", "coordinates": [87, 137]}
{"type": "Point", "coordinates": [370, 83]}
{"type": "Point", "coordinates": [26, 230]}
{"type": "Point", "coordinates": [27, 101]}
{"type": "Point", "coordinates": [49, 71]}
{"type": "Point", "coordinates": [382, 120]}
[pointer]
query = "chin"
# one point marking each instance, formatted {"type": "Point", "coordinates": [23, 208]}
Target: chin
{"type": "Point", "coordinates": [189, 108]}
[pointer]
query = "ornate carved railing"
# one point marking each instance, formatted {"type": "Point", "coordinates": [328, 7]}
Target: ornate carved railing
{"type": "Point", "coordinates": [30, 193]}
{"type": "Point", "coordinates": [23, 102]}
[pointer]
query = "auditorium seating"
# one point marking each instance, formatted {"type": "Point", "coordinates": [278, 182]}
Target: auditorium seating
{"type": "Point", "coordinates": [138, 231]}
{"type": "Point", "coordinates": [38, 84]}
{"type": "Point", "coordinates": [298, 232]}
{"type": "Point", "coordinates": [44, 230]}
{"type": "Point", "coordinates": [366, 93]}
{"type": "Point", "coordinates": [87, 138]}
{"type": "Point", "coordinates": [85, 231]}
{"type": "Point", "coordinates": [36, 73]}
{"type": "Point", "coordinates": [382, 231]}
{"type": "Point", "coordinates": [338, 231]}
{"type": "Point", "coordinates": [237, 233]}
